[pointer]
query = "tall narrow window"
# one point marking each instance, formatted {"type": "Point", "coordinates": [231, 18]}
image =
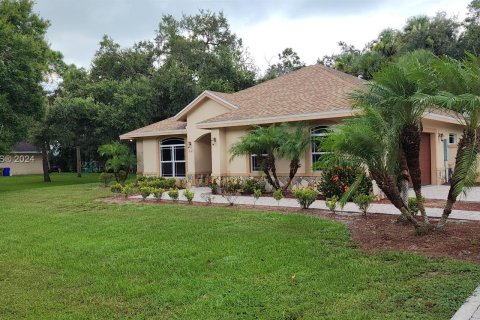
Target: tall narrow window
{"type": "Point", "coordinates": [172, 157]}
{"type": "Point", "coordinates": [317, 134]}
{"type": "Point", "coordinates": [256, 161]}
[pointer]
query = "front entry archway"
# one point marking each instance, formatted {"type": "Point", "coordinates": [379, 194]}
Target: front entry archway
{"type": "Point", "coordinates": [203, 159]}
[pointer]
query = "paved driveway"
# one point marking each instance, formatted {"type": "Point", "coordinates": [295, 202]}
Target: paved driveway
{"type": "Point", "coordinates": [441, 192]}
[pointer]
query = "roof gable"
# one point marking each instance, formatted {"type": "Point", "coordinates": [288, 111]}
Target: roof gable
{"type": "Point", "coordinates": [216, 96]}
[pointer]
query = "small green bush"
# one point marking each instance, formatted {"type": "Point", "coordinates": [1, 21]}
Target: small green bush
{"type": "Point", "coordinates": [173, 194]}
{"type": "Point", "coordinates": [363, 201]}
{"type": "Point", "coordinates": [128, 190]}
{"type": "Point", "coordinates": [332, 203]}
{"type": "Point", "coordinates": [305, 196]}
{"type": "Point", "coordinates": [116, 188]}
{"type": "Point", "coordinates": [158, 192]}
{"type": "Point", "coordinates": [257, 193]}
{"type": "Point", "coordinates": [278, 195]}
{"type": "Point", "coordinates": [413, 205]}
{"type": "Point", "coordinates": [232, 186]}
{"type": "Point", "coordinates": [214, 187]}
{"type": "Point", "coordinates": [251, 184]}
{"type": "Point", "coordinates": [141, 179]}
{"type": "Point", "coordinates": [189, 195]}
{"type": "Point", "coordinates": [106, 177]}
{"type": "Point", "coordinates": [146, 191]}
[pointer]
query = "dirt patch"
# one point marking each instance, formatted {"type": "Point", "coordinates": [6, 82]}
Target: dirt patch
{"type": "Point", "coordinates": [378, 232]}
{"type": "Point", "coordinates": [434, 203]}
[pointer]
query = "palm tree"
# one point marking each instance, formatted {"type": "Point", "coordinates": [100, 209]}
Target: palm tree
{"type": "Point", "coordinates": [120, 161]}
{"type": "Point", "coordinates": [369, 141]}
{"type": "Point", "coordinates": [391, 92]}
{"type": "Point", "coordinates": [459, 84]}
{"type": "Point", "coordinates": [261, 141]}
{"type": "Point", "coordinates": [296, 140]}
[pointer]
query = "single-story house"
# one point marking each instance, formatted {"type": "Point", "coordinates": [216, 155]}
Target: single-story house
{"type": "Point", "coordinates": [24, 159]}
{"type": "Point", "coordinates": [195, 143]}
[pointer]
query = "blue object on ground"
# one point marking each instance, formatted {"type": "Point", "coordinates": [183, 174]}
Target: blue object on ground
{"type": "Point", "coordinates": [6, 172]}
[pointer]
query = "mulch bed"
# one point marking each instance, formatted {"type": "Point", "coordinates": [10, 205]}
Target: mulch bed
{"type": "Point", "coordinates": [434, 203]}
{"type": "Point", "coordinates": [378, 232]}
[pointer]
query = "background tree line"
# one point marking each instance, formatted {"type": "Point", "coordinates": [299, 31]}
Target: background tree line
{"type": "Point", "coordinates": [443, 35]}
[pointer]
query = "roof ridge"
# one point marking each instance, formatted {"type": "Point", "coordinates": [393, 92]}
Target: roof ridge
{"type": "Point", "coordinates": [339, 74]}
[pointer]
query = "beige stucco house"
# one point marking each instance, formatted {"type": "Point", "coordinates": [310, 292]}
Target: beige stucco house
{"type": "Point", "coordinates": [24, 159]}
{"type": "Point", "coordinates": [195, 143]}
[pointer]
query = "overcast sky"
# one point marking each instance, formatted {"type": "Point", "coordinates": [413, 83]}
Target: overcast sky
{"type": "Point", "coordinates": [311, 27]}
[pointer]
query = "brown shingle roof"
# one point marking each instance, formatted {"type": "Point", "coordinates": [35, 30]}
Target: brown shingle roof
{"type": "Point", "coordinates": [163, 126]}
{"type": "Point", "coordinates": [25, 147]}
{"type": "Point", "coordinates": [312, 89]}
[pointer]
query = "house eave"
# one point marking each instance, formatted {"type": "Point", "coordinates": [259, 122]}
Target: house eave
{"type": "Point", "coordinates": [132, 136]}
{"type": "Point", "coordinates": [281, 118]}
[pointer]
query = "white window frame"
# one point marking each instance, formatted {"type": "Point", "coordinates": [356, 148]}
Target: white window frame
{"type": "Point", "coordinates": [173, 160]}
{"type": "Point", "coordinates": [312, 136]}
{"type": "Point", "coordinates": [252, 169]}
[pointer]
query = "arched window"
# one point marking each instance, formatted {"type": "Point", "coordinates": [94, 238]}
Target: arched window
{"type": "Point", "coordinates": [172, 157]}
{"type": "Point", "coordinates": [317, 134]}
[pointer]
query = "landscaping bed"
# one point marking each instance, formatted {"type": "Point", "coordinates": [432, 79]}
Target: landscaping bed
{"type": "Point", "coordinates": [435, 203]}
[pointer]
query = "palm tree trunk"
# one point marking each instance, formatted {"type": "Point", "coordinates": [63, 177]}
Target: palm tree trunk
{"type": "Point", "coordinates": [294, 165]}
{"type": "Point", "coordinates": [79, 162]}
{"type": "Point", "coordinates": [273, 169]}
{"type": "Point", "coordinates": [411, 137]}
{"type": "Point", "coordinates": [45, 166]}
{"type": "Point", "coordinates": [387, 185]}
{"type": "Point", "coordinates": [403, 181]}
{"type": "Point", "coordinates": [447, 210]}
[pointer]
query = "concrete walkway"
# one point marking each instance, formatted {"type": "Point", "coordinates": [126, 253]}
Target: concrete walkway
{"type": "Point", "coordinates": [441, 192]}
{"type": "Point", "coordinates": [319, 204]}
{"type": "Point", "coordinates": [470, 310]}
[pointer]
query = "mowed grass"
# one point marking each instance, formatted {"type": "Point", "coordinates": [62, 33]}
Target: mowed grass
{"type": "Point", "coordinates": [65, 256]}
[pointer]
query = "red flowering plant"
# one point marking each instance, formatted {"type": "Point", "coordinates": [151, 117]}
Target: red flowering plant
{"type": "Point", "coordinates": [338, 180]}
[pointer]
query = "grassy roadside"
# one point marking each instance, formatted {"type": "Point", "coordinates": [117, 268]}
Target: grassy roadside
{"type": "Point", "coordinates": [65, 256]}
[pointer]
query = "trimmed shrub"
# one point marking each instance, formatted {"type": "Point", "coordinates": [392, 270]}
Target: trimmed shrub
{"type": "Point", "coordinates": [278, 195]}
{"type": "Point", "coordinates": [232, 186]}
{"type": "Point", "coordinates": [145, 192]}
{"type": "Point", "coordinates": [363, 201]}
{"type": "Point", "coordinates": [413, 205]}
{"type": "Point", "coordinates": [116, 188]}
{"type": "Point", "coordinates": [336, 181]}
{"type": "Point", "coordinates": [305, 196]}
{"type": "Point", "coordinates": [230, 189]}
{"type": "Point", "coordinates": [251, 184]}
{"type": "Point", "coordinates": [331, 204]}
{"type": "Point", "coordinates": [173, 194]}
{"type": "Point", "coordinates": [189, 195]}
{"type": "Point", "coordinates": [257, 193]}
{"type": "Point", "coordinates": [158, 192]}
{"type": "Point", "coordinates": [106, 177]}
{"type": "Point", "coordinates": [128, 190]}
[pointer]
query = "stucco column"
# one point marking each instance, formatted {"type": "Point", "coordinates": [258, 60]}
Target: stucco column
{"type": "Point", "coordinates": [220, 155]}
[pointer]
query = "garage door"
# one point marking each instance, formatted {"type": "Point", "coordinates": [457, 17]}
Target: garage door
{"type": "Point", "coordinates": [425, 159]}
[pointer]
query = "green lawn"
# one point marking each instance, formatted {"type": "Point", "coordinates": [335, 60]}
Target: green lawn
{"type": "Point", "coordinates": [64, 256]}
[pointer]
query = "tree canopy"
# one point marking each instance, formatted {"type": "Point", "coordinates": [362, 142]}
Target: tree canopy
{"type": "Point", "coordinates": [25, 59]}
